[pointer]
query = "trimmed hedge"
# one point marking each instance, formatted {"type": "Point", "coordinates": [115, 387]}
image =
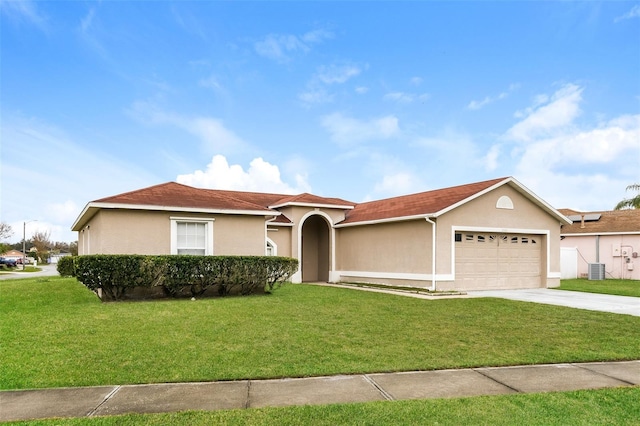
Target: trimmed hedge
{"type": "Point", "coordinates": [178, 275]}
{"type": "Point", "coordinates": [66, 266]}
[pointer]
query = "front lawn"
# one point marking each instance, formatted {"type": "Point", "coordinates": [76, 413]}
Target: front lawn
{"type": "Point", "coordinates": [586, 407]}
{"type": "Point", "coordinates": [54, 332]}
{"type": "Point", "coordinates": [611, 286]}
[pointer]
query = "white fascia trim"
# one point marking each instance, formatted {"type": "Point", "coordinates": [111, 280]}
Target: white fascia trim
{"type": "Point", "coordinates": [458, 228]}
{"type": "Point", "coordinates": [391, 219]}
{"type": "Point", "coordinates": [395, 275]}
{"type": "Point", "coordinates": [326, 206]}
{"type": "Point", "coordinates": [280, 224]}
{"type": "Point", "coordinates": [601, 234]}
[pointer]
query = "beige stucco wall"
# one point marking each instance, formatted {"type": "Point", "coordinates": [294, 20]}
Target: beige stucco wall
{"type": "Point", "coordinates": [239, 235]}
{"type": "Point", "coordinates": [403, 247]}
{"type": "Point", "coordinates": [481, 213]}
{"type": "Point", "coordinates": [119, 231]}
{"type": "Point", "coordinates": [281, 235]}
{"type": "Point", "coordinates": [400, 252]}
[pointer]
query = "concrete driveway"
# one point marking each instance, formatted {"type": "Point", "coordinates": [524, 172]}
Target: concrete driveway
{"type": "Point", "coordinates": [573, 299]}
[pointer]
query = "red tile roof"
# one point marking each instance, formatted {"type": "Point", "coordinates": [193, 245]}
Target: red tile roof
{"type": "Point", "coordinates": [171, 194]}
{"type": "Point", "coordinates": [615, 221]}
{"type": "Point", "coordinates": [422, 203]}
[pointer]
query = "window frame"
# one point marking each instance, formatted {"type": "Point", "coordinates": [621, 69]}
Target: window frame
{"type": "Point", "coordinates": [208, 232]}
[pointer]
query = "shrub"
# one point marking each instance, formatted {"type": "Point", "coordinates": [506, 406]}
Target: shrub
{"type": "Point", "coordinates": [66, 266]}
{"type": "Point", "coordinates": [180, 274]}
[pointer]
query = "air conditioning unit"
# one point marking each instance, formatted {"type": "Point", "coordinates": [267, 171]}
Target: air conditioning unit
{"type": "Point", "coordinates": [596, 271]}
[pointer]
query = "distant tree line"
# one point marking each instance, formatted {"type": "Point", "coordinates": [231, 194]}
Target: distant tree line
{"type": "Point", "coordinates": [40, 241]}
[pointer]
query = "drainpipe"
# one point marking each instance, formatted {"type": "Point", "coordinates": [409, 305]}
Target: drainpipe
{"type": "Point", "coordinates": [597, 248]}
{"type": "Point", "coordinates": [433, 253]}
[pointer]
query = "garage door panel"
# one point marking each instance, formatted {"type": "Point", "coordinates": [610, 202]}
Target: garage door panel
{"type": "Point", "coordinates": [494, 261]}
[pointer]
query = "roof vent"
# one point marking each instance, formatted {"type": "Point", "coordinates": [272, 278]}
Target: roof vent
{"type": "Point", "coordinates": [596, 271]}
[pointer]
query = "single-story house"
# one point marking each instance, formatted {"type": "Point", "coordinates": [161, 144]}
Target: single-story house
{"type": "Point", "coordinates": [484, 235]}
{"type": "Point", "coordinates": [13, 255]}
{"type": "Point", "coordinates": [608, 238]}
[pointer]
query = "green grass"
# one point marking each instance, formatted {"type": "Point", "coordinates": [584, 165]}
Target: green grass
{"type": "Point", "coordinates": [588, 407]}
{"type": "Point", "coordinates": [617, 287]}
{"type": "Point", "coordinates": [56, 333]}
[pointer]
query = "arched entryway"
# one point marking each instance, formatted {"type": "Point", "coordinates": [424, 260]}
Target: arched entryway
{"type": "Point", "coordinates": [315, 249]}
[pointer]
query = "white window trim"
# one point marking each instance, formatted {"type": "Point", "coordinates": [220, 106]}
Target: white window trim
{"type": "Point", "coordinates": [274, 247]}
{"type": "Point", "coordinates": [208, 232]}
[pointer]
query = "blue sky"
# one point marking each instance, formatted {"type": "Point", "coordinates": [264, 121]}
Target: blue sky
{"type": "Point", "coordinates": [358, 100]}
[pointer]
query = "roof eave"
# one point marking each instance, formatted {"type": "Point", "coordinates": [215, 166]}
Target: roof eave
{"type": "Point", "coordinates": [386, 220]}
{"type": "Point", "coordinates": [300, 204]}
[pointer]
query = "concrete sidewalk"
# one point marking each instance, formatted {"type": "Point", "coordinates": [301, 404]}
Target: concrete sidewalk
{"type": "Point", "coordinates": [159, 398]}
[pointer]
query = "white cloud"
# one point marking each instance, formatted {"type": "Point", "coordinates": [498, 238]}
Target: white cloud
{"type": "Point", "coordinates": [560, 111]}
{"type": "Point", "coordinates": [405, 98]}
{"type": "Point", "coordinates": [24, 10]}
{"type": "Point", "coordinates": [215, 137]}
{"type": "Point", "coordinates": [584, 167]}
{"type": "Point", "coordinates": [261, 176]}
{"type": "Point", "coordinates": [416, 81]}
{"type": "Point", "coordinates": [397, 183]}
{"type": "Point", "coordinates": [211, 82]}
{"type": "Point", "coordinates": [350, 131]}
{"type": "Point", "coordinates": [317, 96]}
{"type": "Point", "coordinates": [633, 13]}
{"type": "Point", "coordinates": [476, 105]}
{"type": "Point", "coordinates": [279, 47]}
{"type": "Point", "coordinates": [361, 90]}
{"type": "Point", "coordinates": [337, 73]}
{"type": "Point", "coordinates": [316, 92]}
{"type": "Point", "coordinates": [56, 176]}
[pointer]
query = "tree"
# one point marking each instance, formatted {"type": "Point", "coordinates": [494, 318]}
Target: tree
{"type": "Point", "coordinates": [5, 231]}
{"type": "Point", "coordinates": [42, 244]}
{"type": "Point", "coordinates": [630, 203]}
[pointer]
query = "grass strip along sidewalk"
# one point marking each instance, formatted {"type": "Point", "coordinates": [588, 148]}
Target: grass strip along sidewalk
{"type": "Point", "coordinates": [55, 333]}
{"type": "Point", "coordinates": [615, 287]}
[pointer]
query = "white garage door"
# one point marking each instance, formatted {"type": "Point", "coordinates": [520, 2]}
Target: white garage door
{"type": "Point", "coordinates": [498, 261]}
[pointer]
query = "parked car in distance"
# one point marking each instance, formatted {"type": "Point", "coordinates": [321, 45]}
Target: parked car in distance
{"type": "Point", "coordinates": [10, 263]}
{"type": "Point", "coordinates": [28, 261]}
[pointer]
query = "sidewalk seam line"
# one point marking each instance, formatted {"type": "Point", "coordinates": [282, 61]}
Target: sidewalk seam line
{"type": "Point", "coordinates": [247, 403]}
{"type": "Point", "coordinates": [373, 383]}
{"type": "Point", "coordinates": [104, 401]}
{"type": "Point", "coordinates": [497, 381]}
{"type": "Point", "coordinates": [603, 374]}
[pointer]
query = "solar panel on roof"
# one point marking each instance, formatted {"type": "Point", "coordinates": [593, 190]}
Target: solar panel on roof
{"type": "Point", "coordinates": [590, 217]}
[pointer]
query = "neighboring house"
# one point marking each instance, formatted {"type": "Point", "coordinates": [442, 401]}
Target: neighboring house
{"type": "Point", "coordinates": [484, 235]}
{"type": "Point", "coordinates": [13, 254]}
{"type": "Point", "coordinates": [609, 238]}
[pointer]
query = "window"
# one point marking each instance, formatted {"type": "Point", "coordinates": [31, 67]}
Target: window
{"type": "Point", "coordinates": [481, 238]}
{"type": "Point", "coordinates": [191, 236]}
{"type": "Point", "coordinates": [271, 248]}
{"type": "Point", "coordinates": [458, 237]}
{"type": "Point", "coordinates": [525, 240]}
{"type": "Point", "coordinates": [468, 237]}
